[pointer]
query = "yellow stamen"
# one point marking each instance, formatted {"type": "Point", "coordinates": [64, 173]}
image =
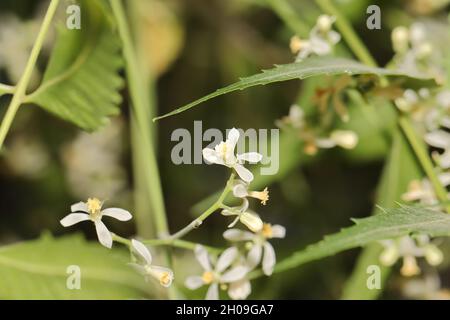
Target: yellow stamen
{"type": "Point", "coordinates": [267, 231]}
{"type": "Point", "coordinates": [207, 277]}
{"type": "Point", "coordinates": [165, 278]}
{"type": "Point", "coordinates": [223, 286]}
{"type": "Point", "coordinates": [261, 195]}
{"type": "Point", "coordinates": [296, 44]}
{"type": "Point", "coordinates": [410, 267]}
{"type": "Point", "coordinates": [94, 206]}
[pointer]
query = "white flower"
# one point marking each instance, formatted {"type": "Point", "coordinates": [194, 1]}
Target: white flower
{"type": "Point", "coordinates": [162, 274]}
{"type": "Point", "coordinates": [245, 216]}
{"type": "Point", "coordinates": [429, 287]}
{"type": "Point", "coordinates": [92, 210]}
{"type": "Point", "coordinates": [215, 275]}
{"type": "Point", "coordinates": [440, 139]}
{"type": "Point", "coordinates": [423, 191]}
{"type": "Point", "coordinates": [321, 39]}
{"type": "Point", "coordinates": [343, 138]}
{"type": "Point", "coordinates": [223, 154]}
{"type": "Point", "coordinates": [240, 190]}
{"type": "Point", "coordinates": [296, 117]}
{"type": "Point", "coordinates": [240, 290]}
{"type": "Point", "coordinates": [257, 243]}
{"type": "Point", "coordinates": [408, 249]}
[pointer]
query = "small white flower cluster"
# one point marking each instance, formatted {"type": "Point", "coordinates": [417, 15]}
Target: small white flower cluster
{"type": "Point", "coordinates": [430, 113]}
{"type": "Point", "coordinates": [409, 248]}
{"type": "Point", "coordinates": [313, 141]}
{"type": "Point", "coordinates": [428, 287]}
{"type": "Point", "coordinates": [229, 271]}
{"type": "Point", "coordinates": [92, 210]}
{"type": "Point", "coordinates": [322, 39]}
{"type": "Point", "coordinates": [415, 53]}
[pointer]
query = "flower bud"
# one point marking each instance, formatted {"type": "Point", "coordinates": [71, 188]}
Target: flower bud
{"type": "Point", "coordinates": [252, 221]}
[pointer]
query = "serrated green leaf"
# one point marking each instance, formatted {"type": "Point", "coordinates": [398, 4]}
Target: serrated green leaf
{"type": "Point", "coordinates": [392, 223]}
{"type": "Point", "coordinates": [81, 82]}
{"type": "Point", "coordinates": [401, 167]}
{"type": "Point", "coordinates": [314, 66]}
{"type": "Point", "coordinates": [37, 270]}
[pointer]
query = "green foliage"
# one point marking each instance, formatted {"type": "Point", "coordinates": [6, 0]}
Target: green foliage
{"type": "Point", "coordinates": [391, 223]}
{"type": "Point", "coordinates": [310, 67]}
{"type": "Point", "coordinates": [81, 82]}
{"type": "Point", "coordinates": [37, 270]}
{"type": "Point", "coordinates": [401, 167]}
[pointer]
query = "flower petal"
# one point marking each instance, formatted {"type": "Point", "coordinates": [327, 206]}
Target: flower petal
{"type": "Point", "coordinates": [252, 157]}
{"type": "Point", "coordinates": [103, 234]}
{"type": "Point", "coordinates": [438, 139]}
{"type": "Point", "coordinates": [235, 274]}
{"type": "Point", "coordinates": [202, 257]}
{"type": "Point", "coordinates": [278, 231]}
{"type": "Point", "coordinates": [193, 282]}
{"type": "Point", "coordinates": [243, 173]}
{"type": "Point", "coordinates": [232, 139]}
{"type": "Point", "coordinates": [226, 258]}
{"type": "Point", "coordinates": [74, 218]}
{"type": "Point", "coordinates": [234, 222]}
{"type": "Point", "coordinates": [240, 290]}
{"type": "Point", "coordinates": [142, 250]}
{"type": "Point", "coordinates": [254, 256]}
{"type": "Point", "coordinates": [213, 292]}
{"type": "Point", "coordinates": [79, 206]}
{"type": "Point", "coordinates": [240, 191]}
{"type": "Point", "coordinates": [117, 213]}
{"type": "Point", "coordinates": [269, 259]}
{"type": "Point", "coordinates": [212, 156]}
{"type": "Point", "coordinates": [237, 235]}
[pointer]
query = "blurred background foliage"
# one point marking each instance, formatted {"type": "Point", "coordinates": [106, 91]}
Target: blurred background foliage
{"type": "Point", "coordinates": [190, 48]}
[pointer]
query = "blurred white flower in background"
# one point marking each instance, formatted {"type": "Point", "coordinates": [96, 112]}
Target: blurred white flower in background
{"type": "Point", "coordinates": [26, 156]}
{"type": "Point", "coordinates": [215, 274]}
{"type": "Point", "coordinates": [428, 287]}
{"type": "Point", "coordinates": [16, 40]}
{"type": "Point", "coordinates": [423, 191]}
{"type": "Point", "coordinates": [409, 249]}
{"type": "Point", "coordinates": [258, 242]}
{"type": "Point", "coordinates": [93, 163]}
{"type": "Point", "coordinates": [144, 266]}
{"type": "Point", "coordinates": [223, 154]}
{"type": "Point", "coordinates": [92, 210]}
{"type": "Point", "coordinates": [321, 40]}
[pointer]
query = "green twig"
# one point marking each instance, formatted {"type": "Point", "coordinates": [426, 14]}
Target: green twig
{"type": "Point", "coordinates": [216, 205]}
{"type": "Point", "coordinates": [20, 91]}
{"type": "Point", "coordinates": [140, 102]}
{"type": "Point", "coordinates": [177, 243]}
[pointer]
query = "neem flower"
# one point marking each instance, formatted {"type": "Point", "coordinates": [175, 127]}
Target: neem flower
{"type": "Point", "coordinates": [257, 243]}
{"type": "Point", "coordinates": [215, 275]}
{"type": "Point", "coordinates": [92, 210]}
{"type": "Point", "coordinates": [145, 267]}
{"type": "Point", "coordinates": [223, 154]}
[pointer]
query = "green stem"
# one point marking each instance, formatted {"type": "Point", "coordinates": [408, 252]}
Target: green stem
{"type": "Point", "coordinates": [140, 102]}
{"type": "Point", "coordinates": [216, 205]}
{"type": "Point", "coordinates": [22, 86]}
{"type": "Point", "coordinates": [4, 88]}
{"type": "Point", "coordinates": [177, 243]}
{"type": "Point", "coordinates": [361, 52]}
{"type": "Point", "coordinates": [285, 11]}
